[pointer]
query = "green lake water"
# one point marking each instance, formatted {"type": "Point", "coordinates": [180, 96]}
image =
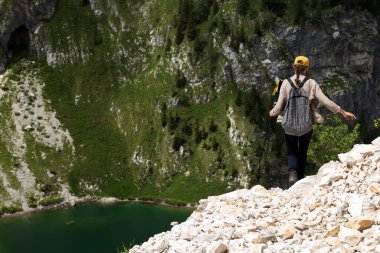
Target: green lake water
{"type": "Point", "coordinates": [86, 228]}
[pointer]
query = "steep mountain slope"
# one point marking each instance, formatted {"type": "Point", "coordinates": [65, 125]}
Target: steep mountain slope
{"type": "Point", "coordinates": [143, 99]}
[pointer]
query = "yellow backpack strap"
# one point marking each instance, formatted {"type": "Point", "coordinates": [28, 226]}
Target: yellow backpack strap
{"type": "Point", "coordinates": [277, 87]}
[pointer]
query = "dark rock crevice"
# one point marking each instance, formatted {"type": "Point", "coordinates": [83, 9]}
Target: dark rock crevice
{"type": "Point", "coordinates": [17, 30]}
{"type": "Point", "coordinates": [19, 42]}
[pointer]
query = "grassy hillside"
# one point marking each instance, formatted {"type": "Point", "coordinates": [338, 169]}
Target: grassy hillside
{"type": "Point", "coordinates": [130, 140]}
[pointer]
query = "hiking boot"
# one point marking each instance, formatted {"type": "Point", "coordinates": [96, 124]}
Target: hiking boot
{"type": "Point", "coordinates": [293, 177]}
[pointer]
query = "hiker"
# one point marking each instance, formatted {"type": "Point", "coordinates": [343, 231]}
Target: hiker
{"type": "Point", "coordinates": [298, 113]}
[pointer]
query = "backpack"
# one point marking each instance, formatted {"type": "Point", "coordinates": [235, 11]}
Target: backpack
{"type": "Point", "coordinates": [297, 117]}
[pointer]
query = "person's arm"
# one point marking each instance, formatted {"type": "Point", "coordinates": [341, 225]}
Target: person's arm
{"type": "Point", "coordinates": [334, 108]}
{"type": "Point", "coordinates": [280, 102]}
{"type": "Point", "coordinates": [347, 115]}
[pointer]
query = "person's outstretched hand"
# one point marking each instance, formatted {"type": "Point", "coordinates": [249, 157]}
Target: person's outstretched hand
{"type": "Point", "coordinates": [347, 115]}
{"type": "Point", "coordinates": [271, 113]}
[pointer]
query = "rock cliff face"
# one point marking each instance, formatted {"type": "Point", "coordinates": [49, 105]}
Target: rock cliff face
{"type": "Point", "coordinates": [21, 14]}
{"type": "Point", "coordinates": [337, 210]}
{"type": "Point", "coordinates": [105, 98]}
{"type": "Point", "coordinates": [344, 54]}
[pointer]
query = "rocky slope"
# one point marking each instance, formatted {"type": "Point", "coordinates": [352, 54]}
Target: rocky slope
{"type": "Point", "coordinates": [337, 210]}
{"type": "Point", "coordinates": [111, 98]}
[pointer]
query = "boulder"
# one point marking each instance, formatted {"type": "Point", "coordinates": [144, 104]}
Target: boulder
{"type": "Point", "coordinates": [257, 248]}
{"type": "Point", "coordinates": [217, 248]}
{"type": "Point", "coordinates": [375, 188]}
{"type": "Point", "coordinates": [333, 231]}
{"type": "Point", "coordinates": [161, 246]}
{"type": "Point", "coordinates": [350, 236]}
{"type": "Point", "coordinates": [376, 142]}
{"type": "Point", "coordinates": [355, 207]}
{"type": "Point", "coordinates": [287, 233]}
{"type": "Point", "coordinates": [360, 223]}
{"type": "Point", "coordinates": [319, 247]}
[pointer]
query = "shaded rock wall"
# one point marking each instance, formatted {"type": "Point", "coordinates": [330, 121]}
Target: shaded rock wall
{"type": "Point", "coordinates": [344, 56]}
{"type": "Point", "coordinates": [26, 14]}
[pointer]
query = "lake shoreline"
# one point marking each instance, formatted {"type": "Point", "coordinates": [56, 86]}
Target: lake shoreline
{"type": "Point", "coordinates": [92, 200]}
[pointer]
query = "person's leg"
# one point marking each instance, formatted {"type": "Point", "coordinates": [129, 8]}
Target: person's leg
{"type": "Point", "coordinates": [292, 146]}
{"type": "Point", "coordinates": [304, 142]}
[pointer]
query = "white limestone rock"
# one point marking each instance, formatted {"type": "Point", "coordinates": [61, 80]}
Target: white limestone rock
{"type": "Point", "coordinates": [350, 236]}
{"type": "Point", "coordinates": [360, 223]}
{"type": "Point", "coordinates": [108, 201]}
{"type": "Point", "coordinates": [376, 142]}
{"type": "Point", "coordinates": [162, 246]}
{"type": "Point", "coordinates": [355, 205]}
{"type": "Point", "coordinates": [319, 247]}
{"type": "Point", "coordinates": [217, 247]}
{"type": "Point", "coordinates": [318, 214]}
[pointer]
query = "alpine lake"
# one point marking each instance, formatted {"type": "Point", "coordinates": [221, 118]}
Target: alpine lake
{"type": "Point", "coordinates": [87, 228]}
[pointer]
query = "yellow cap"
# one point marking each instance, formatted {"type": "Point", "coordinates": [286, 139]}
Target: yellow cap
{"type": "Point", "coordinates": [301, 61]}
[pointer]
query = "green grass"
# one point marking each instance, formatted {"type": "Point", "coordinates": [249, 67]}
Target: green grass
{"type": "Point", "coordinates": [105, 142]}
{"type": "Point", "coordinates": [191, 189]}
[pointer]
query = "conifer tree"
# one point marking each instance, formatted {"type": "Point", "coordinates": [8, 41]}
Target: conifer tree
{"type": "Point", "coordinates": [296, 11]}
{"type": "Point", "coordinates": [191, 30]}
{"type": "Point", "coordinates": [243, 7]}
{"type": "Point", "coordinates": [183, 18]}
{"type": "Point", "coordinates": [202, 10]}
{"type": "Point", "coordinates": [214, 7]}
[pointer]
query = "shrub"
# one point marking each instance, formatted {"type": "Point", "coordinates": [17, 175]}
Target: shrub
{"type": "Point", "coordinates": [191, 31]}
{"type": "Point", "coordinates": [46, 188]}
{"type": "Point", "coordinates": [168, 45]}
{"type": "Point", "coordinates": [237, 36]}
{"type": "Point", "coordinates": [200, 135]}
{"type": "Point", "coordinates": [238, 100]}
{"type": "Point", "coordinates": [199, 46]}
{"type": "Point", "coordinates": [214, 7]}
{"type": "Point", "coordinates": [183, 99]}
{"type": "Point", "coordinates": [213, 127]}
{"type": "Point", "coordinates": [243, 7]}
{"type": "Point", "coordinates": [178, 142]}
{"type": "Point", "coordinates": [202, 10]}
{"type": "Point", "coordinates": [173, 122]}
{"type": "Point", "coordinates": [10, 209]}
{"type": "Point", "coordinates": [181, 80]}
{"type": "Point", "coordinates": [164, 117]}
{"type": "Point", "coordinates": [228, 124]}
{"type": "Point", "coordinates": [213, 57]}
{"type": "Point", "coordinates": [187, 128]}
{"type": "Point", "coordinates": [183, 18]}
{"type": "Point", "coordinates": [330, 140]}
{"type": "Point", "coordinates": [276, 6]}
{"type": "Point", "coordinates": [376, 123]}
{"type": "Point", "coordinates": [32, 201]}
{"type": "Point", "coordinates": [50, 200]}
{"type": "Point", "coordinates": [296, 12]}
{"type": "Point", "coordinates": [215, 144]}
{"type": "Point", "coordinates": [258, 28]}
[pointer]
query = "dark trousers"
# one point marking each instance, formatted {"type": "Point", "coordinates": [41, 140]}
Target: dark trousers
{"type": "Point", "coordinates": [297, 152]}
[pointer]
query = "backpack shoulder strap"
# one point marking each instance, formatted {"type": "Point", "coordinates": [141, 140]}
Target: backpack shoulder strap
{"type": "Point", "coordinates": [291, 83]}
{"type": "Point", "coordinates": [304, 81]}
{"type": "Point", "coordinates": [301, 85]}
